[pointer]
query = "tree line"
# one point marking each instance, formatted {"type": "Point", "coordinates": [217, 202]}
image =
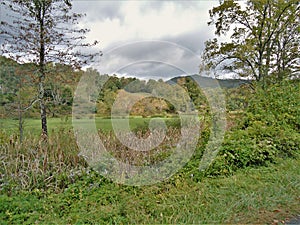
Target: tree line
{"type": "Point", "coordinates": [263, 45]}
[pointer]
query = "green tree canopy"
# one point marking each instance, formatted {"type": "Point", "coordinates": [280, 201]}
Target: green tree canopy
{"type": "Point", "coordinates": [264, 41]}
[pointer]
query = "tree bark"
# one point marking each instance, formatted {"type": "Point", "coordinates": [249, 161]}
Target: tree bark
{"type": "Point", "coordinates": [43, 111]}
{"type": "Point", "coordinates": [42, 72]}
{"type": "Point", "coordinates": [20, 114]}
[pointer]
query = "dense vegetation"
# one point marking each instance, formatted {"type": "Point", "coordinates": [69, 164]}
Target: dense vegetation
{"type": "Point", "coordinates": [254, 178]}
{"type": "Point", "coordinates": [263, 129]}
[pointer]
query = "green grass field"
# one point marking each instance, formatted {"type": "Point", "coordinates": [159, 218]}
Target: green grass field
{"type": "Point", "coordinates": [33, 126]}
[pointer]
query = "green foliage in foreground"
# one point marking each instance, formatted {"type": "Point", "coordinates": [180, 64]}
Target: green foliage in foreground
{"type": "Point", "coordinates": [269, 130]}
{"type": "Point", "coordinates": [251, 196]}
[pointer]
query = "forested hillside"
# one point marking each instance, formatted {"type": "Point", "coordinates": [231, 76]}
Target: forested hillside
{"type": "Point", "coordinates": [18, 91]}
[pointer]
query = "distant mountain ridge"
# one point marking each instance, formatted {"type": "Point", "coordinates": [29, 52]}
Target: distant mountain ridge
{"type": "Point", "coordinates": [212, 82]}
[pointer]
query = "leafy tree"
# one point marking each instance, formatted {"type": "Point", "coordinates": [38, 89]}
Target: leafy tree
{"type": "Point", "coordinates": [21, 101]}
{"type": "Point", "coordinates": [109, 99]}
{"type": "Point", "coordinates": [8, 82]}
{"type": "Point", "coordinates": [150, 86]}
{"type": "Point", "coordinates": [194, 92]}
{"type": "Point", "coordinates": [136, 86]}
{"type": "Point", "coordinates": [264, 41]}
{"type": "Point", "coordinates": [17, 94]}
{"type": "Point", "coordinates": [113, 83]}
{"type": "Point", "coordinates": [43, 31]}
{"type": "Point", "coordinates": [59, 98]}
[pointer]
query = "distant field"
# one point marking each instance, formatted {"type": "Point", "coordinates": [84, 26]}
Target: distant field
{"type": "Point", "coordinates": [33, 126]}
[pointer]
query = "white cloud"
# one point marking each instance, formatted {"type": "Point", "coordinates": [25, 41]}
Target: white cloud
{"type": "Point", "coordinates": [126, 21]}
{"type": "Point", "coordinates": [137, 22]}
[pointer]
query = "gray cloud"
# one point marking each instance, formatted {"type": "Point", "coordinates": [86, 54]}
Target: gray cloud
{"type": "Point", "coordinates": [150, 59]}
{"type": "Point", "coordinates": [5, 16]}
{"type": "Point", "coordinates": [99, 10]}
{"type": "Point", "coordinates": [151, 70]}
{"type": "Point", "coordinates": [160, 60]}
{"type": "Point", "coordinates": [158, 4]}
{"type": "Point", "coordinates": [193, 40]}
{"type": "Point", "coordinates": [174, 55]}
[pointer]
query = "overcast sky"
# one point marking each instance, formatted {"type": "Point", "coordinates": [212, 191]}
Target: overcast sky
{"type": "Point", "coordinates": [148, 39]}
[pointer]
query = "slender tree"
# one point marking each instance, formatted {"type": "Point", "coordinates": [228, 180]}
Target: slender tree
{"type": "Point", "coordinates": [264, 41]}
{"type": "Point", "coordinates": [43, 31]}
{"type": "Point", "coordinates": [17, 94]}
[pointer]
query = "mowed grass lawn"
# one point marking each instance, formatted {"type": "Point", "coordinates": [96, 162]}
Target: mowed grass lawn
{"type": "Point", "coordinates": [33, 126]}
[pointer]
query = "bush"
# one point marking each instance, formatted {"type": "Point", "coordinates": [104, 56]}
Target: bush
{"type": "Point", "coordinates": [277, 105]}
{"type": "Point", "coordinates": [269, 130]}
{"type": "Point", "coordinates": [240, 150]}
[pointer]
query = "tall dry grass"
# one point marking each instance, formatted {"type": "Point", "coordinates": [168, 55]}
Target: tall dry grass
{"type": "Point", "coordinates": [34, 164]}
{"type": "Point", "coordinates": [54, 165]}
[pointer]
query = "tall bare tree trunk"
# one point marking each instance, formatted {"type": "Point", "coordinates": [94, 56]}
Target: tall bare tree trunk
{"type": "Point", "coordinates": [21, 121]}
{"type": "Point", "coordinates": [42, 71]}
{"type": "Point", "coordinates": [43, 109]}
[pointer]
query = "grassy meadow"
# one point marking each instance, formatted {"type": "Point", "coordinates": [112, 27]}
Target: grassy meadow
{"type": "Point", "coordinates": [254, 178]}
{"type": "Point", "coordinates": [32, 126]}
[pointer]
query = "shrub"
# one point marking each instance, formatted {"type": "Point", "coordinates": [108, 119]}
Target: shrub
{"type": "Point", "coordinates": [270, 129]}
